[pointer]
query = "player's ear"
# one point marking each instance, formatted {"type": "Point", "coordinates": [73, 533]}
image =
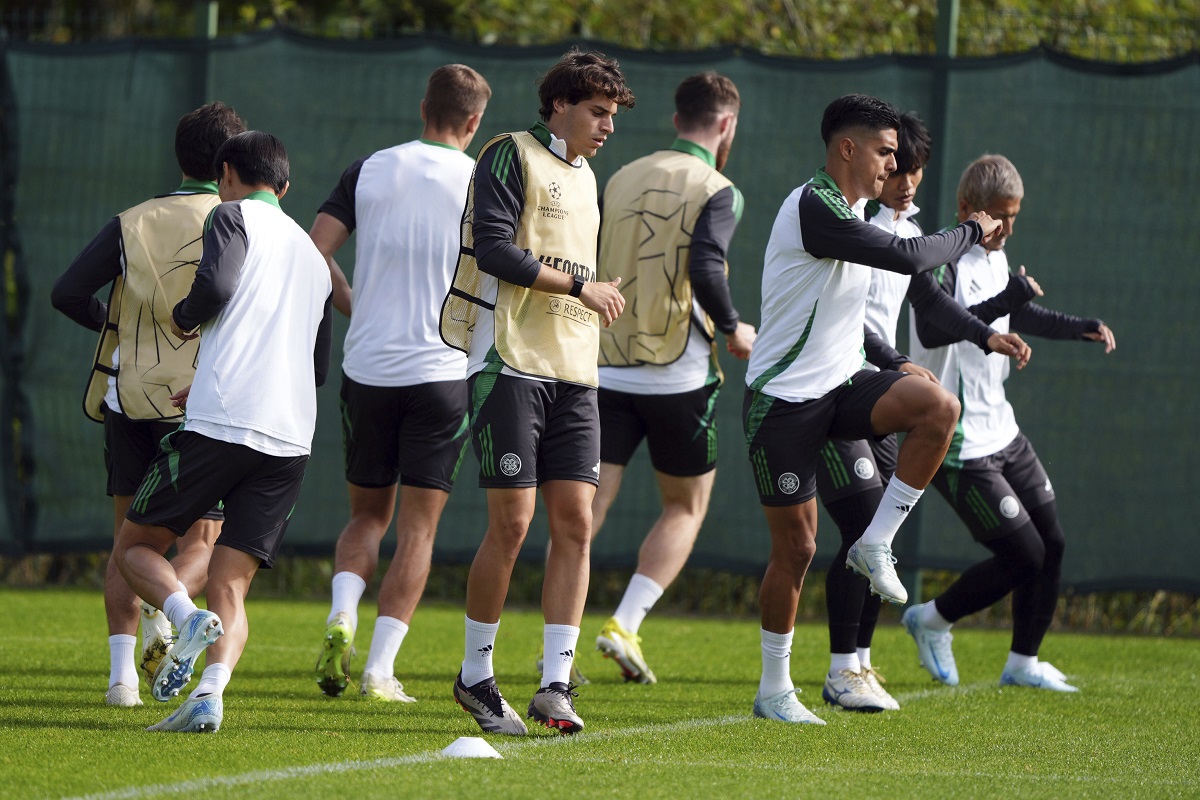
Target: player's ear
{"type": "Point", "coordinates": [473, 123]}
{"type": "Point", "coordinates": [286, 185]}
{"type": "Point", "coordinates": [846, 148]}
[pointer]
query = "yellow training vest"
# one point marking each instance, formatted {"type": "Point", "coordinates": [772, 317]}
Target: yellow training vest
{"type": "Point", "coordinates": [548, 335]}
{"type": "Point", "coordinates": [162, 241]}
{"type": "Point", "coordinates": [650, 210]}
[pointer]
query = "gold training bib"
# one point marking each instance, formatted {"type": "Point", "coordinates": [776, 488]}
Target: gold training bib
{"type": "Point", "coordinates": [546, 335]}
{"type": "Point", "coordinates": [650, 210]}
{"type": "Point", "coordinates": [162, 241]}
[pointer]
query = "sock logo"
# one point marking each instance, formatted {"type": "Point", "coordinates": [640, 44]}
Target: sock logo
{"type": "Point", "coordinates": [903, 508]}
{"type": "Point", "coordinates": [567, 654]}
{"type": "Point", "coordinates": [486, 650]}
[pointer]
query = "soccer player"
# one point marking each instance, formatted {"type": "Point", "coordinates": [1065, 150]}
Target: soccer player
{"type": "Point", "coordinates": [526, 307]}
{"type": "Point", "coordinates": [404, 392]}
{"type": "Point", "coordinates": [991, 475]}
{"type": "Point", "coordinates": [805, 377]}
{"type": "Point", "coordinates": [148, 254]}
{"type": "Point", "coordinates": [851, 475]}
{"type": "Point", "coordinates": [262, 301]}
{"type": "Point", "coordinates": [665, 229]}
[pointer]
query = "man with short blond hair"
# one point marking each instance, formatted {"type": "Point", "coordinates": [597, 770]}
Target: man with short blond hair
{"type": "Point", "coordinates": [404, 394]}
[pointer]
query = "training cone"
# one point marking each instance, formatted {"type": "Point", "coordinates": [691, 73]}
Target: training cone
{"type": "Point", "coordinates": [470, 747]}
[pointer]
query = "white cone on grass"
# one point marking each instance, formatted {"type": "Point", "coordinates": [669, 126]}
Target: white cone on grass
{"type": "Point", "coordinates": [470, 747]}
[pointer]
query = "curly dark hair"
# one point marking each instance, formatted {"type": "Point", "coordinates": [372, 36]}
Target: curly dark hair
{"type": "Point", "coordinates": [578, 76]}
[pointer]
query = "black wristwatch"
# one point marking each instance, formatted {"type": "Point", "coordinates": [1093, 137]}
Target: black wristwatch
{"type": "Point", "coordinates": [577, 287]}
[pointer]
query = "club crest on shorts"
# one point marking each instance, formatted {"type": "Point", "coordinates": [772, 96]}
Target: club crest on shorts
{"type": "Point", "coordinates": [510, 464]}
{"type": "Point", "coordinates": [788, 483]}
{"type": "Point", "coordinates": [1009, 507]}
{"type": "Point", "coordinates": [864, 469]}
{"type": "Point", "coordinates": [1049, 488]}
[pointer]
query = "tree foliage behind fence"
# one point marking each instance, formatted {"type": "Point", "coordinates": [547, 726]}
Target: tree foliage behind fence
{"type": "Point", "coordinates": [1107, 153]}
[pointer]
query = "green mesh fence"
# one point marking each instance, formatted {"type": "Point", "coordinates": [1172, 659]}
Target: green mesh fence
{"type": "Point", "coordinates": [1107, 155]}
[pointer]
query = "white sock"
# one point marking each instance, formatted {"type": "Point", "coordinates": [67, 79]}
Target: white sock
{"type": "Point", "coordinates": [841, 661]}
{"type": "Point", "coordinates": [558, 642]}
{"type": "Point", "coordinates": [348, 589]}
{"type": "Point", "coordinates": [178, 607]}
{"type": "Point", "coordinates": [1018, 663]}
{"type": "Point", "coordinates": [385, 644]}
{"type": "Point", "coordinates": [776, 663]}
{"type": "Point", "coordinates": [930, 618]}
{"type": "Point", "coordinates": [898, 499]}
{"type": "Point", "coordinates": [640, 596]}
{"type": "Point", "coordinates": [213, 681]}
{"type": "Point", "coordinates": [121, 668]}
{"type": "Point", "coordinates": [477, 655]}
{"type": "Point", "coordinates": [864, 657]}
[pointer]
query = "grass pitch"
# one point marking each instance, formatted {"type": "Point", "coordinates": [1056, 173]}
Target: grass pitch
{"type": "Point", "coordinates": [1133, 730]}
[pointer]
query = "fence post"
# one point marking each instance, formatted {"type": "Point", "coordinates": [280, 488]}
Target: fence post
{"type": "Point", "coordinates": [16, 416]}
{"type": "Point", "coordinates": [204, 31]}
{"type": "Point", "coordinates": [909, 551]}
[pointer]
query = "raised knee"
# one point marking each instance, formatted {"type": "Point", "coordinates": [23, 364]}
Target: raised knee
{"type": "Point", "coordinates": [945, 412]}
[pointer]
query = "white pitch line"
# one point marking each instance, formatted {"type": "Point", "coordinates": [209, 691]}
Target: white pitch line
{"type": "Point", "coordinates": [505, 748]}
{"type": "Point", "coordinates": [261, 776]}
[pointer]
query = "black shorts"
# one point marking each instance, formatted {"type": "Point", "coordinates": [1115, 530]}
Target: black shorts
{"type": "Point", "coordinates": [415, 435]}
{"type": "Point", "coordinates": [130, 446]}
{"type": "Point", "coordinates": [527, 432]}
{"type": "Point", "coordinates": [992, 494]}
{"type": "Point", "coordinates": [785, 439]}
{"type": "Point", "coordinates": [193, 473]}
{"type": "Point", "coordinates": [680, 429]}
{"type": "Point", "coordinates": [846, 468]}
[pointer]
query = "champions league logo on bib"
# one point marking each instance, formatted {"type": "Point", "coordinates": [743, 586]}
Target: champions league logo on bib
{"type": "Point", "coordinates": [864, 469]}
{"type": "Point", "coordinates": [510, 464]}
{"type": "Point", "coordinates": [789, 483]}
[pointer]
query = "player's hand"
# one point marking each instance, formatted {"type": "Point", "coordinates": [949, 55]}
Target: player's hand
{"type": "Point", "coordinates": [1105, 335]}
{"type": "Point", "coordinates": [1036, 286]}
{"type": "Point", "coordinates": [1011, 345]}
{"type": "Point", "coordinates": [741, 341]}
{"type": "Point", "coordinates": [603, 298]}
{"type": "Point", "coordinates": [991, 227]}
{"type": "Point", "coordinates": [180, 333]}
{"type": "Point", "coordinates": [180, 398]}
{"type": "Point", "coordinates": [916, 369]}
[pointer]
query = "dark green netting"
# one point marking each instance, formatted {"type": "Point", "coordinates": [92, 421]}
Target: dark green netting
{"type": "Point", "coordinates": [1107, 155]}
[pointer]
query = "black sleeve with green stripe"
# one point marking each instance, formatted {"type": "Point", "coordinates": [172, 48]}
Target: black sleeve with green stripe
{"type": "Point", "coordinates": [830, 229]}
{"type": "Point", "coordinates": [499, 201]}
